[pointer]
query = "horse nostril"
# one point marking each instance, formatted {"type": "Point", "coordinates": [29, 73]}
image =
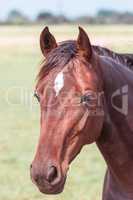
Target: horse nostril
{"type": "Point", "coordinates": [36, 179]}
{"type": "Point", "coordinates": [31, 166]}
{"type": "Point", "coordinates": [52, 174]}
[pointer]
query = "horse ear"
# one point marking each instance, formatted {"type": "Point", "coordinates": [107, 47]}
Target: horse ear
{"type": "Point", "coordinates": [47, 41]}
{"type": "Point", "coordinates": [84, 44]}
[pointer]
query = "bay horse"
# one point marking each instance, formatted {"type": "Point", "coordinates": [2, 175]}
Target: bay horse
{"type": "Point", "coordinates": [80, 94]}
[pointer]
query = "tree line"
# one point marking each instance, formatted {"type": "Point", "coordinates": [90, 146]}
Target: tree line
{"type": "Point", "coordinates": [102, 17]}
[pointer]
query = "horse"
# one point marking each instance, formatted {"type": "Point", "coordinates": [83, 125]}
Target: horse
{"type": "Point", "coordinates": [84, 98]}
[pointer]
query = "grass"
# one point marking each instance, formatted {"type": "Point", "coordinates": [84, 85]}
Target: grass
{"type": "Point", "coordinates": [19, 122]}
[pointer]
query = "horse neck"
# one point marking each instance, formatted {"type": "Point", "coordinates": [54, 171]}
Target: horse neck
{"type": "Point", "coordinates": [116, 140]}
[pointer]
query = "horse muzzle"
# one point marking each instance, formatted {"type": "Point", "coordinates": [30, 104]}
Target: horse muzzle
{"type": "Point", "coordinates": [50, 182]}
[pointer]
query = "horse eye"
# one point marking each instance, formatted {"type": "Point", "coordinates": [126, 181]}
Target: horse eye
{"type": "Point", "coordinates": [37, 96]}
{"type": "Point", "coordinates": [85, 99]}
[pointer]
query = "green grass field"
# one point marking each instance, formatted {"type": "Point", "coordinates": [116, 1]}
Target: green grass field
{"type": "Point", "coordinates": [19, 120]}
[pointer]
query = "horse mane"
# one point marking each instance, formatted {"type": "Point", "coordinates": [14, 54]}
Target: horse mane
{"type": "Point", "coordinates": [126, 59]}
{"type": "Point", "coordinates": [62, 55]}
{"type": "Point", "coordinates": [59, 56]}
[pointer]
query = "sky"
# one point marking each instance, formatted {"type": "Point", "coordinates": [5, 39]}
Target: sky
{"type": "Point", "coordinates": [71, 8]}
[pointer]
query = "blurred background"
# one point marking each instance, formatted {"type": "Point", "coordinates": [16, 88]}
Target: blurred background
{"type": "Point", "coordinates": [109, 23]}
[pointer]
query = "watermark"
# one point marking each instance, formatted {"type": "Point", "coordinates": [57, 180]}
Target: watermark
{"type": "Point", "coordinates": [20, 96]}
{"type": "Point", "coordinates": [93, 101]}
{"type": "Point", "coordinates": [122, 94]}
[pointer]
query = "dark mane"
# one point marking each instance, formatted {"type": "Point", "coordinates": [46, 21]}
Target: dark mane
{"type": "Point", "coordinates": [126, 59]}
{"type": "Point", "coordinates": [59, 56]}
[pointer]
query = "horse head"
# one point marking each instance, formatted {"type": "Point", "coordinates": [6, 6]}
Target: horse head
{"type": "Point", "coordinates": [69, 90]}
